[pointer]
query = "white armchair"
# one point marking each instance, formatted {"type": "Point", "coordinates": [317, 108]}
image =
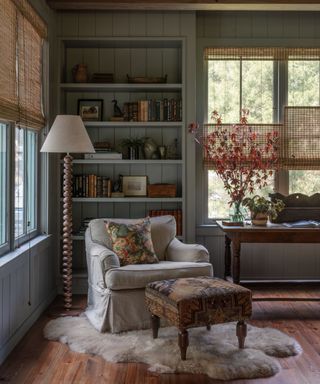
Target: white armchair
{"type": "Point", "coordinates": [116, 294]}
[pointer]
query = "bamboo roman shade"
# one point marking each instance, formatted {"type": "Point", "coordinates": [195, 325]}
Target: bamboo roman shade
{"type": "Point", "coordinates": [22, 33]}
{"type": "Point", "coordinates": [260, 131]}
{"type": "Point", "coordinates": [261, 53]}
{"type": "Point", "coordinates": [299, 134]}
{"type": "Point", "coordinates": [8, 75]}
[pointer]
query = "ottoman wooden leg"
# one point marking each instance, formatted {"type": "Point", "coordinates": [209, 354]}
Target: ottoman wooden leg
{"type": "Point", "coordinates": [155, 323]}
{"type": "Point", "coordinates": [183, 343]}
{"type": "Point", "coordinates": [241, 333]}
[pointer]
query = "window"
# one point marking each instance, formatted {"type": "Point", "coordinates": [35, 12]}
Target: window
{"type": "Point", "coordinates": [21, 117]}
{"type": "Point", "coordinates": [262, 80]}
{"type": "Point", "coordinates": [3, 186]}
{"type": "Point", "coordinates": [304, 90]}
{"type": "Point", "coordinates": [25, 183]}
{"type": "Point", "coordinates": [233, 85]}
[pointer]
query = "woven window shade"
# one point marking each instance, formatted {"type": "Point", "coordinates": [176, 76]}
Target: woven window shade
{"type": "Point", "coordinates": [29, 75]}
{"type": "Point", "coordinates": [22, 32]}
{"type": "Point", "coordinates": [261, 131]}
{"type": "Point", "coordinates": [261, 53]}
{"type": "Point", "coordinates": [28, 12]}
{"type": "Point", "coordinates": [8, 78]}
{"type": "Point", "coordinates": [301, 136]}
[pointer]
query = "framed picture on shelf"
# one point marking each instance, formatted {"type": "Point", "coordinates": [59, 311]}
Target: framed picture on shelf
{"type": "Point", "coordinates": [90, 109]}
{"type": "Point", "coordinates": [134, 185]}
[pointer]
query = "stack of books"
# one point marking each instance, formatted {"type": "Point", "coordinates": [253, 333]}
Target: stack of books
{"type": "Point", "coordinates": [84, 225]}
{"type": "Point", "coordinates": [102, 78]}
{"type": "Point", "coordinates": [103, 152]}
{"type": "Point", "coordinates": [153, 110]}
{"type": "Point", "coordinates": [91, 186]}
{"type": "Point", "coordinates": [176, 213]}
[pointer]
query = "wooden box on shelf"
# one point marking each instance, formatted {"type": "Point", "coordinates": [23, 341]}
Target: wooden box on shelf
{"type": "Point", "coordinates": [162, 190]}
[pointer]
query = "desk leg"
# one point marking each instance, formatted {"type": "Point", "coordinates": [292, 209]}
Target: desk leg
{"type": "Point", "coordinates": [227, 257]}
{"type": "Point", "coordinates": [236, 248]}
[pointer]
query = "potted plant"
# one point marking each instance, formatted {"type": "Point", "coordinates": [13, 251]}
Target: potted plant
{"type": "Point", "coordinates": [242, 157]}
{"type": "Point", "coordinates": [261, 209]}
{"type": "Point", "coordinates": [133, 146]}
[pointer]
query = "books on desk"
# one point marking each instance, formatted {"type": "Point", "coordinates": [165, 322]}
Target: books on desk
{"type": "Point", "coordinates": [303, 224]}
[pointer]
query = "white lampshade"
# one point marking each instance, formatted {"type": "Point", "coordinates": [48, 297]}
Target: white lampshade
{"type": "Point", "coordinates": [68, 135]}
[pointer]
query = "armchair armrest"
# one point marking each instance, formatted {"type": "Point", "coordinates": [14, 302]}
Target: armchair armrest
{"type": "Point", "coordinates": [99, 260]}
{"type": "Point", "coordinates": [178, 251]}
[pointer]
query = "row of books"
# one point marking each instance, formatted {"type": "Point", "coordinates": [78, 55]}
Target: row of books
{"type": "Point", "coordinates": [176, 213]}
{"type": "Point", "coordinates": [91, 186]}
{"type": "Point", "coordinates": [153, 110]}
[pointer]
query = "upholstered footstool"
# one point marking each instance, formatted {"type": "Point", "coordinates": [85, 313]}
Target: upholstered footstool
{"type": "Point", "coordinates": [197, 302]}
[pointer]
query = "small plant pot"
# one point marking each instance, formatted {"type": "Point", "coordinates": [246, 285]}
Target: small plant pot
{"type": "Point", "coordinates": [259, 219]}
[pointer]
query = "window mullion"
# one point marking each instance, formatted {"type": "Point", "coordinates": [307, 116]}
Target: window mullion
{"type": "Point", "coordinates": [240, 86]}
{"type": "Point", "coordinates": [282, 177]}
{"type": "Point", "coordinates": [11, 186]}
{"type": "Point", "coordinates": [25, 182]}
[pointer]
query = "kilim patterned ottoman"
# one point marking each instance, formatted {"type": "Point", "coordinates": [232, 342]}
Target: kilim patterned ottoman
{"type": "Point", "coordinates": [197, 302]}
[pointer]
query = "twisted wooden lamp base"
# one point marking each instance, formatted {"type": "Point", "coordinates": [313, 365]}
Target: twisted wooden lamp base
{"type": "Point", "coordinates": [67, 232]}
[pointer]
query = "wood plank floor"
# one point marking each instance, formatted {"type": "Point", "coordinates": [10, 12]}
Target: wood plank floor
{"type": "Point", "coordinates": [39, 361]}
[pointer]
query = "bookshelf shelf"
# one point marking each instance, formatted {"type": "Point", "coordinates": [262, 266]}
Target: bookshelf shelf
{"type": "Point", "coordinates": [133, 124]}
{"type": "Point", "coordinates": [126, 161]}
{"type": "Point", "coordinates": [123, 87]}
{"type": "Point", "coordinates": [126, 199]}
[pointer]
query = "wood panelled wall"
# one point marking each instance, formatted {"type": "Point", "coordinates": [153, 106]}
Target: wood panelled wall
{"type": "Point", "coordinates": [287, 261]}
{"type": "Point", "coordinates": [27, 286]}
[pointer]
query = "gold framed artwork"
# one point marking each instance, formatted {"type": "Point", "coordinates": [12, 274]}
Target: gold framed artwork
{"type": "Point", "coordinates": [134, 185]}
{"type": "Point", "coordinates": [90, 109]}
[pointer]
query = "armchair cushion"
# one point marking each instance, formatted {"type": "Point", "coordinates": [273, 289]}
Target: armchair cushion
{"type": "Point", "coordinates": [132, 242]}
{"type": "Point", "coordinates": [137, 276]}
{"type": "Point", "coordinates": [163, 230]}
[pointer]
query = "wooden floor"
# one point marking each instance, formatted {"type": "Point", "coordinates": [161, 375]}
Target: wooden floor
{"type": "Point", "coordinates": [39, 361]}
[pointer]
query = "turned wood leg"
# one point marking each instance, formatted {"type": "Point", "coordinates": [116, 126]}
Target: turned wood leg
{"type": "Point", "coordinates": [236, 248]}
{"type": "Point", "coordinates": [183, 343]}
{"type": "Point", "coordinates": [227, 257]}
{"type": "Point", "coordinates": [208, 327]}
{"type": "Point", "coordinates": [241, 333]}
{"type": "Point", "coordinates": [155, 323]}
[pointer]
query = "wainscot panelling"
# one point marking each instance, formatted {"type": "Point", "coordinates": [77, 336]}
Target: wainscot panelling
{"type": "Point", "coordinates": [258, 261]}
{"type": "Point", "coordinates": [27, 286]}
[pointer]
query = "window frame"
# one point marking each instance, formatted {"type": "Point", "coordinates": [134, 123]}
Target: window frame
{"type": "Point", "coordinates": [12, 242]}
{"type": "Point", "coordinates": [280, 98]}
{"type": "Point", "coordinates": [28, 235]}
{"type": "Point", "coordinates": [5, 247]}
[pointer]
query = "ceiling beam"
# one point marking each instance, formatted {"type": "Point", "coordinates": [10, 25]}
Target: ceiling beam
{"type": "Point", "coordinates": [187, 5]}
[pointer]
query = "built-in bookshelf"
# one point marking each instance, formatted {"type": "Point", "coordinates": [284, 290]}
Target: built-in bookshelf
{"type": "Point", "coordinates": [122, 56]}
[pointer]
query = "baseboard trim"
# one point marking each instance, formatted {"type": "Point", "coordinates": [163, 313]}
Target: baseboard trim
{"type": "Point", "coordinates": [7, 348]}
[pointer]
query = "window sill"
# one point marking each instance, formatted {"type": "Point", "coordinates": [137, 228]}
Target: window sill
{"type": "Point", "coordinates": [26, 247]}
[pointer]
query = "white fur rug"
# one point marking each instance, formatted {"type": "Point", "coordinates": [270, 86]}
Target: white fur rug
{"type": "Point", "coordinates": [214, 352]}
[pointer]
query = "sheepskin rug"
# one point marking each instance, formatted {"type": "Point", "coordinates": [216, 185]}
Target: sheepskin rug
{"type": "Point", "coordinates": [214, 353]}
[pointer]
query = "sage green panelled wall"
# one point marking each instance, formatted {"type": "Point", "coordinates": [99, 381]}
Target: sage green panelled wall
{"type": "Point", "coordinates": [153, 24]}
{"type": "Point", "coordinates": [290, 261]}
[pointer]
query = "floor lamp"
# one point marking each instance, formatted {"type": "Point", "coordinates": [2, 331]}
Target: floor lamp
{"type": "Point", "coordinates": [67, 135]}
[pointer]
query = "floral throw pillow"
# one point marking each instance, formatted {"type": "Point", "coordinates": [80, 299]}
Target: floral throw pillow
{"type": "Point", "coordinates": [132, 242]}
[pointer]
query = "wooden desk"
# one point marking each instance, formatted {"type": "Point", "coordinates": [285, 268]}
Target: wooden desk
{"type": "Point", "coordinates": [273, 233]}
